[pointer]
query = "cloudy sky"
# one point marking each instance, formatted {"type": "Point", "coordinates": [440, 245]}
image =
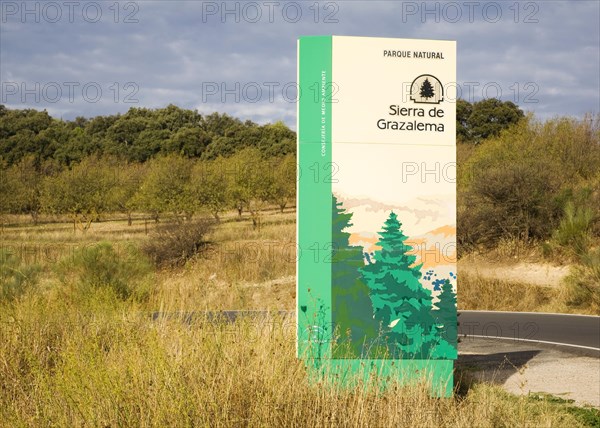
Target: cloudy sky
{"type": "Point", "coordinates": [84, 58]}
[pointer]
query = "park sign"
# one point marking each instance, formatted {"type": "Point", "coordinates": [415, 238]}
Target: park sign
{"type": "Point", "coordinates": [376, 272]}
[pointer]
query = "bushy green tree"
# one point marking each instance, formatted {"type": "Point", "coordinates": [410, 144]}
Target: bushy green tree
{"type": "Point", "coordinates": [283, 184]}
{"type": "Point", "coordinates": [129, 179]}
{"type": "Point", "coordinates": [277, 140]}
{"type": "Point", "coordinates": [82, 191]}
{"type": "Point", "coordinates": [165, 188]}
{"type": "Point", "coordinates": [463, 112]}
{"type": "Point", "coordinates": [19, 130]}
{"type": "Point", "coordinates": [483, 119]}
{"type": "Point", "coordinates": [188, 142]}
{"type": "Point", "coordinates": [122, 136]}
{"type": "Point", "coordinates": [8, 189]}
{"type": "Point", "coordinates": [210, 186]}
{"type": "Point", "coordinates": [251, 181]}
{"type": "Point", "coordinates": [26, 178]}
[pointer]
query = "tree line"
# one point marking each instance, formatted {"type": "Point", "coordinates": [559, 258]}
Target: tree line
{"type": "Point", "coordinates": [136, 136]}
{"type": "Point", "coordinates": [172, 185]}
{"type": "Point", "coordinates": [141, 134]}
{"type": "Point", "coordinates": [518, 177]}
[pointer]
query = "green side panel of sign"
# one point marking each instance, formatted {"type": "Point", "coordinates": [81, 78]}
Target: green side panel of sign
{"type": "Point", "coordinates": [314, 198]}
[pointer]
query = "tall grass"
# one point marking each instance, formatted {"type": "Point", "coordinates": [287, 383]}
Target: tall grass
{"type": "Point", "coordinates": [64, 367]}
{"type": "Point", "coordinates": [579, 294]}
{"type": "Point", "coordinates": [239, 268]}
{"type": "Point", "coordinates": [574, 230]}
{"type": "Point", "coordinates": [582, 286]}
{"type": "Point", "coordinates": [81, 351]}
{"type": "Point", "coordinates": [478, 293]}
{"type": "Point", "coordinates": [575, 239]}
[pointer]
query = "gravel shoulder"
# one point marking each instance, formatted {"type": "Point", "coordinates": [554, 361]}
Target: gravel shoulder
{"type": "Point", "coordinates": [523, 368]}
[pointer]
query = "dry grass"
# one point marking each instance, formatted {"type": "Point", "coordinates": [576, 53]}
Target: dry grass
{"type": "Point", "coordinates": [491, 294]}
{"type": "Point", "coordinates": [73, 359]}
{"type": "Point", "coordinates": [477, 293]}
{"type": "Point", "coordinates": [242, 268]}
{"type": "Point", "coordinates": [109, 366]}
{"type": "Point", "coordinates": [48, 243]}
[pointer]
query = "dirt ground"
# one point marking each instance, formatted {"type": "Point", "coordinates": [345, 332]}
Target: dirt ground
{"type": "Point", "coordinates": [526, 272]}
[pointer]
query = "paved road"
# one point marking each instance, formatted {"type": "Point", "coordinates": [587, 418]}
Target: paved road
{"type": "Point", "coordinates": [571, 332]}
{"type": "Point", "coordinates": [574, 331]}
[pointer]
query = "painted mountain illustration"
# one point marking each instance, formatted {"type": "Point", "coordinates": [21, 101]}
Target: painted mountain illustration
{"type": "Point", "coordinates": [429, 223]}
{"type": "Point", "coordinates": [420, 215]}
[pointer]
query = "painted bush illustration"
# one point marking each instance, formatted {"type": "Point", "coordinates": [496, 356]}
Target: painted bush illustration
{"type": "Point", "coordinates": [380, 307]}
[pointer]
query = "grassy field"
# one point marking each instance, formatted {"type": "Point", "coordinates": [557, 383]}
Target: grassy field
{"type": "Point", "coordinates": [80, 348]}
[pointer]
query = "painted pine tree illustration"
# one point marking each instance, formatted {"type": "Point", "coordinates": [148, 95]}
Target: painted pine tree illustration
{"type": "Point", "coordinates": [445, 317]}
{"type": "Point", "coordinates": [427, 89]}
{"type": "Point", "coordinates": [400, 303]}
{"type": "Point", "coordinates": [351, 307]}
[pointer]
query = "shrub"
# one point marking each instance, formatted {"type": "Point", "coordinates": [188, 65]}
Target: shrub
{"type": "Point", "coordinates": [583, 283]}
{"type": "Point", "coordinates": [517, 185]}
{"type": "Point", "coordinates": [509, 201]}
{"type": "Point", "coordinates": [125, 273]}
{"type": "Point", "coordinates": [15, 277]}
{"type": "Point", "coordinates": [173, 244]}
{"type": "Point", "coordinates": [574, 230]}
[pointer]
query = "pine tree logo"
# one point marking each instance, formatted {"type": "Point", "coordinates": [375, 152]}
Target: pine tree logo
{"type": "Point", "coordinates": [427, 89]}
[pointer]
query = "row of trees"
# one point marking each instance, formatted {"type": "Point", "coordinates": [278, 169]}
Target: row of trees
{"type": "Point", "coordinates": [141, 133]}
{"type": "Point", "coordinates": [136, 136]}
{"type": "Point", "coordinates": [520, 179]}
{"type": "Point", "coordinates": [171, 184]}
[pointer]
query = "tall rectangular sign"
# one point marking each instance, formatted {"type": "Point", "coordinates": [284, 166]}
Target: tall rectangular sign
{"type": "Point", "coordinates": [376, 274]}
